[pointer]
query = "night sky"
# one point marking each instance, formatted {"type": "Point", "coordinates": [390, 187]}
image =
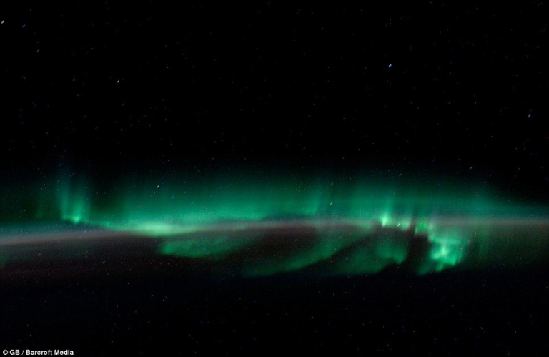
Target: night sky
{"type": "Point", "coordinates": [267, 168]}
{"type": "Point", "coordinates": [111, 87]}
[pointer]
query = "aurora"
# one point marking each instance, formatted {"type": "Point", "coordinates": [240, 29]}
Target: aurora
{"type": "Point", "coordinates": [320, 225]}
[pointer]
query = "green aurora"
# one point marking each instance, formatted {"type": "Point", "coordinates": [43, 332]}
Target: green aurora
{"type": "Point", "coordinates": [355, 224]}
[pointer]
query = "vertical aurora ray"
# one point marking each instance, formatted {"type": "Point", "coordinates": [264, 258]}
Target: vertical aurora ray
{"type": "Point", "coordinates": [73, 198]}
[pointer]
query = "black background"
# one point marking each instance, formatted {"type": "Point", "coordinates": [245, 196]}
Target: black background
{"type": "Point", "coordinates": [454, 88]}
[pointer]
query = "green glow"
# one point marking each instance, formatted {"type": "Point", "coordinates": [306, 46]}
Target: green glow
{"type": "Point", "coordinates": [153, 228]}
{"type": "Point", "coordinates": [211, 217]}
{"type": "Point", "coordinates": [423, 227]}
{"type": "Point", "coordinates": [237, 198]}
{"type": "Point", "coordinates": [386, 220]}
{"type": "Point", "coordinates": [447, 249]}
{"type": "Point", "coordinates": [200, 247]}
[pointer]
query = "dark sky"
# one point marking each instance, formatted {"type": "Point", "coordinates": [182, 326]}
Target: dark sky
{"type": "Point", "coordinates": [457, 88]}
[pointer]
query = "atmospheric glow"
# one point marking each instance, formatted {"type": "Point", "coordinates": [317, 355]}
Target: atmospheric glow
{"type": "Point", "coordinates": [346, 226]}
